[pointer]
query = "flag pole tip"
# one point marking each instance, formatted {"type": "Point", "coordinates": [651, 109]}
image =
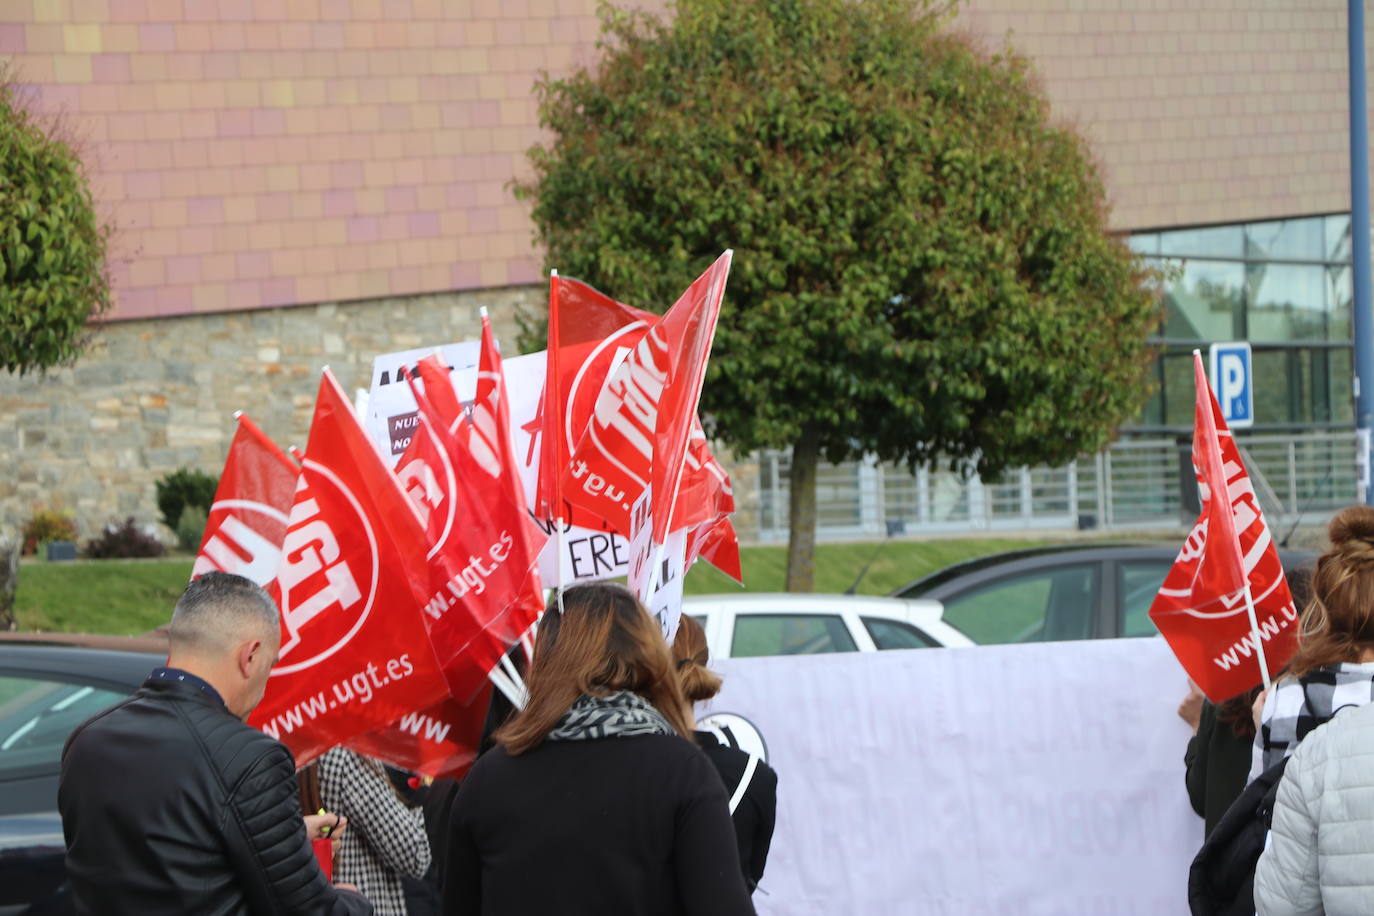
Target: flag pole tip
{"type": "Point", "coordinates": [482, 311]}
{"type": "Point", "coordinates": [553, 272]}
{"type": "Point", "coordinates": [1196, 351]}
{"type": "Point", "coordinates": [237, 414]}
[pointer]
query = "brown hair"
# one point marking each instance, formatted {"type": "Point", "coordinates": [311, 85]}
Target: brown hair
{"type": "Point", "coordinates": [689, 649]}
{"type": "Point", "coordinates": [604, 641]}
{"type": "Point", "coordinates": [1338, 622]}
{"type": "Point", "coordinates": [1238, 713]}
{"type": "Point", "coordinates": [308, 781]}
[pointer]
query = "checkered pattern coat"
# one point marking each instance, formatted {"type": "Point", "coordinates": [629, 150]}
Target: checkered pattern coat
{"type": "Point", "coordinates": [384, 840]}
{"type": "Point", "coordinates": [1298, 705]}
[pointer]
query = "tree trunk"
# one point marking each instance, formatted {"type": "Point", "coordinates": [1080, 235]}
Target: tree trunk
{"type": "Point", "coordinates": [801, 518]}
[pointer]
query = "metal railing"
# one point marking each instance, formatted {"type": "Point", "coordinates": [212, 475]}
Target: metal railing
{"type": "Point", "coordinates": [1134, 484]}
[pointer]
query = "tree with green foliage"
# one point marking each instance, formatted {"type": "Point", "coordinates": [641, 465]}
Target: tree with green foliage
{"type": "Point", "coordinates": [923, 270]}
{"type": "Point", "coordinates": [52, 245]}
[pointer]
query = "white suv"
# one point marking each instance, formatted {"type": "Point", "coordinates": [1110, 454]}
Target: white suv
{"type": "Point", "coordinates": [746, 625]}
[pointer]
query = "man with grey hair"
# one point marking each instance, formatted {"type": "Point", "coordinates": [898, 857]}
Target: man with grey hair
{"type": "Point", "coordinates": [170, 803]}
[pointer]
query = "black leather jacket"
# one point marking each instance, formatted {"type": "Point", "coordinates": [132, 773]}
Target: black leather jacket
{"type": "Point", "coordinates": [172, 805]}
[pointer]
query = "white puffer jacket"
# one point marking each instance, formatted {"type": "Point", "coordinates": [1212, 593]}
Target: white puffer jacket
{"type": "Point", "coordinates": [1320, 857]}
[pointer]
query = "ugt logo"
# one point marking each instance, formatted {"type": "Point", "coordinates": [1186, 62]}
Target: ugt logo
{"type": "Point", "coordinates": [328, 584]}
{"type": "Point", "coordinates": [243, 538]}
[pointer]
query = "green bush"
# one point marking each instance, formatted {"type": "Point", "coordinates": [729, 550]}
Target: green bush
{"type": "Point", "coordinates": [191, 527]}
{"type": "Point", "coordinates": [181, 488]}
{"type": "Point", "coordinates": [47, 525]}
{"type": "Point", "coordinates": [123, 540]}
{"type": "Point", "coordinates": [52, 245]}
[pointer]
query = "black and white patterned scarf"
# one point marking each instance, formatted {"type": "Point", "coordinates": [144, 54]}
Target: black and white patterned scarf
{"type": "Point", "coordinates": [623, 714]}
{"type": "Point", "coordinates": [1298, 705]}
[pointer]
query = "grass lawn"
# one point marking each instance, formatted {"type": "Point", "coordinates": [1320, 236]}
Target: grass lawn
{"type": "Point", "coordinates": [118, 597]}
{"type": "Point", "coordinates": [126, 597]}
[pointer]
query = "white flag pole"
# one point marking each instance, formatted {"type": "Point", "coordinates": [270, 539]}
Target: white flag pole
{"type": "Point", "coordinates": [1214, 447]}
{"type": "Point", "coordinates": [1255, 631]}
{"type": "Point", "coordinates": [514, 693]}
{"type": "Point", "coordinates": [558, 479]}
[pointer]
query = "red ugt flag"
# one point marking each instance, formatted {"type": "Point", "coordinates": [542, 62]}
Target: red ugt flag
{"type": "Point", "coordinates": [588, 330]}
{"type": "Point", "coordinates": [1201, 608]}
{"type": "Point", "coordinates": [439, 742]}
{"type": "Point", "coordinates": [354, 654]}
{"type": "Point", "coordinates": [484, 588]}
{"type": "Point", "coordinates": [643, 419]}
{"type": "Point", "coordinates": [247, 520]}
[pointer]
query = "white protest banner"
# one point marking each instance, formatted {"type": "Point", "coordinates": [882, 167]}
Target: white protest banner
{"type": "Point", "coordinates": [390, 408]}
{"type": "Point", "coordinates": [661, 593]}
{"type": "Point", "coordinates": [1030, 780]}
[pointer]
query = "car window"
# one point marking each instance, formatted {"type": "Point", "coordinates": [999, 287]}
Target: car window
{"type": "Point", "coordinates": [790, 634]}
{"type": "Point", "coordinates": [894, 634]}
{"type": "Point", "coordinates": [36, 716]}
{"type": "Point", "coordinates": [1138, 584]}
{"type": "Point", "coordinates": [1040, 606]}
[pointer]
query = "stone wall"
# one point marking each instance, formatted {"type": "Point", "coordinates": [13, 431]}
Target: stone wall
{"type": "Point", "coordinates": [150, 396]}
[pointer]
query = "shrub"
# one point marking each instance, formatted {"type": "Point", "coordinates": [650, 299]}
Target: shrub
{"type": "Point", "coordinates": [123, 540]}
{"type": "Point", "coordinates": [52, 243]}
{"type": "Point", "coordinates": [47, 525]}
{"type": "Point", "coordinates": [181, 488]}
{"type": "Point", "coordinates": [191, 528]}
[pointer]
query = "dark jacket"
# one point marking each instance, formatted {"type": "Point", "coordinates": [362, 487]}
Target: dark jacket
{"type": "Point", "coordinates": [757, 810]}
{"type": "Point", "coordinates": [1218, 764]}
{"type": "Point", "coordinates": [172, 805]}
{"type": "Point", "coordinates": [634, 826]}
{"type": "Point", "coordinates": [1221, 880]}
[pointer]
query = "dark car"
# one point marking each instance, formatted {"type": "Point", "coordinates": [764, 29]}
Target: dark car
{"type": "Point", "coordinates": [48, 686]}
{"type": "Point", "coordinates": [1063, 592]}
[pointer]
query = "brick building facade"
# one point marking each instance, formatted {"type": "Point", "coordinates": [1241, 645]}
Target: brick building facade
{"type": "Point", "coordinates": [300, 182]}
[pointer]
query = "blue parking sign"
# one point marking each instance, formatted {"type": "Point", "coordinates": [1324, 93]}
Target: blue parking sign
{"type": "Point", "coordinates": [1232, 381]}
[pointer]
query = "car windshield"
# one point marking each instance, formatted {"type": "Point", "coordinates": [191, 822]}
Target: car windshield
{"type": "Point", "coordinates": [36, 716]}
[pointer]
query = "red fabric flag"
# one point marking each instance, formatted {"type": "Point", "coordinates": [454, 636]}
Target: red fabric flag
{"type": "Point", "coordinates": [426, 473]}
{"type": "Point", "coordinates": [440, 742]}
{"type": "Point", "coordinates": [437, 379]}
{"type": "Point", "coordinates": [248, 517]}
{"type": "Point", "coordinates": [1201, 607]}
{"type": "Point", "coordinates": [718, 544]}
{"type": "Point", "coordinates": [644, 416]}
{"type": "Point", "coordinates": [354, 653]}
{"type": "Point", "coordinates": [484, 590]}
{"type": "Point", "coordinates": [588, 331]}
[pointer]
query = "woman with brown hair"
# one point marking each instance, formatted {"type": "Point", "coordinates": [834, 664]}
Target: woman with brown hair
{"type": "Point", "coordinates": [594, 800]}
{"type": "Point", "coordinates": [752, 784]}
{"type": "Point", "coordinates": [1333, 667]}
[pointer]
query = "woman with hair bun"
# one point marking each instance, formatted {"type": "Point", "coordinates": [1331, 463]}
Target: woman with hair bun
{"type": "Point", "coordinates": [594, 800]}
{"type": "Point", "coordinates": [1320, 854]}
{"type": "Point", "coordinates": [752, 784]}
{"type": "Point", "coordinates": [1333, 667]}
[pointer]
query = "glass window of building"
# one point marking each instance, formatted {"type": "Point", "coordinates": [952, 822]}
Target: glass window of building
{"type": "Point", "coordinates": [1283, 285]}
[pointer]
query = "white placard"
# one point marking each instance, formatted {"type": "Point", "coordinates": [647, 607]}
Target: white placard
{"type": "Point", "coordinates": [1035, 780]}
{"type": "Point", "coordinates": [587, 553]}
